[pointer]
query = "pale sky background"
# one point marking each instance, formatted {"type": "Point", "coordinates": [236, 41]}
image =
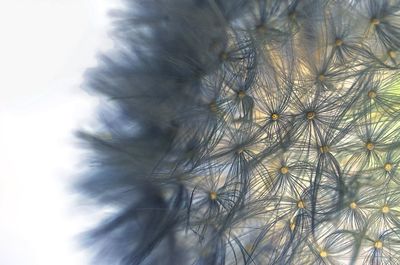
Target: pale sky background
{"type": "Point", "coordinates": [45, 46]}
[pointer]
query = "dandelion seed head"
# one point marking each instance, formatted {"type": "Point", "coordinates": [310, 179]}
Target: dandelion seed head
{"type": "Point", "coordinates": [250, 116]}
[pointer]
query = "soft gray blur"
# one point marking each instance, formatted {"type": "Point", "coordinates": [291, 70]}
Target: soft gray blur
{"type": "Point", "coordinates": [45, 47]}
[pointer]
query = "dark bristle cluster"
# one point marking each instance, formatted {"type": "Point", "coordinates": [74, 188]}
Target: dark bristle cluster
{"type": "Point", "coordinates": [249, 132]}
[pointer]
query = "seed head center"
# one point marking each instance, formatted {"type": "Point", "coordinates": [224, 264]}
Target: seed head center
{"type": "Point", "coordinates": [353, 205]}
{"type": "Point", "coordinates": [274, 116]}
{"type": "Point", "coordinates": [372, 94]}
{"type": "Point", "coordinates": [385, 209]}
{"type": "Point", "coordinates": [323, 254]}
{"type": "Point", "coordinates": [324, 149]}
{"type": "Point", "coordinates": [284, 170]}
{"type": "Point", "coordinates": [338, 42]}
{"type": "Point", "coordinates": [370, 146]}
{"type": "Point", "coordinates": [388, 167]}
{"type": "Point", "coordinates": [310, 115]}
{"type": "Point", "coordinates": [375, 21]}
{"type": "Point", "coordinates": [378, 244]}
{"type": "Point", "coordinates": [213, 195]}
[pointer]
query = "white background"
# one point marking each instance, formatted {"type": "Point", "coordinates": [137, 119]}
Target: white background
{"type": "Point", "coordinates": [45, 46]}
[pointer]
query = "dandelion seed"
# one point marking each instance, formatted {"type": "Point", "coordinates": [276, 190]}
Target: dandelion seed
{"type": "Point", "coordinates": [370, 146]}
{"type": "Point", "coordinates": [323, 254]}
{"type": "Point", "coordinates": [239, 151]}
{"type": "Point", "coordinates": [353, 205]}
{"type": "Point", "coordinates": [338, 42]}
{"type": "Point", "coordinates": [310, 115]}
{"type": "Point", "coordinates": [284, 170]}
{"type": "Point", "coordinates": [213, 195]}
{"type": "Point", "coordinates": [300, 204]}
{"type": "Point", "coordinates": [372, 94]}
{"type": "Point", "coordinates": [375, 21]}
{"type": "Point", "coordinates": [261, 29]}
{"type": "Point", "coordinates": [388, 167]}
{"type": "Point", "coordinates": [213, 107]}
{"type": "Point", "coordinates": [241, 94]}
{"type": "Point", "coordinates": [385, 209]}
{"type": "Point", "coordinates": [274, 116]}
{"type": "Point", "coordinates": [324, 149]}
{"type": "Point", "coordinates": [378, 244]}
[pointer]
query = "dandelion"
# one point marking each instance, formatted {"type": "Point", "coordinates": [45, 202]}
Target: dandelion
{"type": "Point", "coordinates": [247, 132]}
